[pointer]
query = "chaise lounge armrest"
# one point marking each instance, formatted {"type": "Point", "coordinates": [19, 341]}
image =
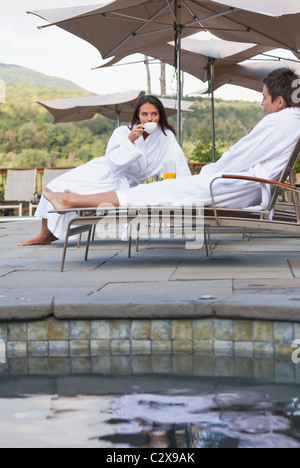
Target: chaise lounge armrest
{"type": "Point", "coordinates": [256, 179]}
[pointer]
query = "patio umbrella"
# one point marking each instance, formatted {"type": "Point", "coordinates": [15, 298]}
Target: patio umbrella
{"type": "Point", "coordinates": [203, 58]}
{"type": "Point", "coordinates": [128, 26]}
{"type": "Point", "coordinates": [118, 107]}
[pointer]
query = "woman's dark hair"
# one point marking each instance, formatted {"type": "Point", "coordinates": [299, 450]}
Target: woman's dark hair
{"type": "Point", "coordinates": [282, 82]}
{"type": "Point", "coordinates": [163, 121]}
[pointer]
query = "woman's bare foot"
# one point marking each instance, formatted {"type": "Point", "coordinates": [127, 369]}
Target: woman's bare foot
{"type": "Point", "coordinates": [41, 239]}
{"type": "Point", "coordinates": [45, 237]}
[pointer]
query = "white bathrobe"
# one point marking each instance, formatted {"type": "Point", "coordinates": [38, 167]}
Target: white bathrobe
{"type": "Point", "coordinates": [124, 165]}
{"type": "Point", "coordinates": [263, 153]}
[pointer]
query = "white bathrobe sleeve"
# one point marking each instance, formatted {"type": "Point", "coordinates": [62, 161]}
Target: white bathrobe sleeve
{"type": "Point", "coordinates": [121, 153]}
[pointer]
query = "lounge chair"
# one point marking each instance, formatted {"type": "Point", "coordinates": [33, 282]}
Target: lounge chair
{"type": "Point", "coordinates": [48, 176]}
{"type": "Point", "coordinates": [275, 217]}
{"type": "Point", "coordinates": [19, 188]}
{"type": "Point", "coordinates": [246, 219]}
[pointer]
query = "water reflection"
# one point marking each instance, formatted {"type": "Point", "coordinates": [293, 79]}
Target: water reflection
{"type": "Point", "coordinates": [234, 419]}
{"type": "Point", "coordinates": [129, 412]}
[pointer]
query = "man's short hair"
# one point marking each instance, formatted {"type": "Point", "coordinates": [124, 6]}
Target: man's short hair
{"type": "Point", "coordinates": [281, 82]}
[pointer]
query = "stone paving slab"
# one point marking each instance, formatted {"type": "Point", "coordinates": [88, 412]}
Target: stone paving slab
{"type": "Point", "coordinates": [256, 278]}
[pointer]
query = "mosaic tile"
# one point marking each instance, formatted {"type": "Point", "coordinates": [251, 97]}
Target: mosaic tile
{"type": "Point", "coordinates": [17, 332]}
{"type": "Point", "coordinates": [58, 348]}
{"type": "Point", "coordinates": [80, 365]}
{"type": "Point", "coordinates": [223, 330]}
{"type": "Point", "coordinates": [243, 349]}
{"type": "Point", "coordinates": [100, 329]}
{"type": "Point", "coordinates": [161, 330]}
{"type": "Point", "coordinates": [182, 330]}
{"type": "Point", "coordinates": [120, 329]}
{"type": "Point", "coordinates": [263, 350]}
{"type": "Point", "coordinates": [162, 347]}
{"type": "Point", "coordinates": [59, 366]}
{"type": "Point", "coordinates": [244, 367]}
{"type": "Point", "coordinates": [59, 330]}
{"type": "Point", "coordinates": [38, 349]}
{"type": "Point", "coordinates": [142, 364]}
{"type": "Point", "coordinates": [223, 348]}
{"type": "Point", "coordinates": [100, 347]}
{"type": "Point", "coordinates": [120, 347]}
{"type": "Point", "coordinates": [38, 365]}
{"type": "Point", "coordinates": [101, 365]}
{"type": "Point", "coordinates": [264, 369]}
{"type": "Point", "coordinates": [121, 365]}
{"type": "Point", "coordinates": [16, 349]}
{"type": "Point", "coordinates": [204, 347]}
{"type": "Point", "coordinates": [162, 364]}
{"type": "Point", "coordinates": [79, 330]}
{"type": "Point", "coordinates": [182, 347]}
{"type": "Point", "coordinates": [242, 330]}
{"type": "Point", "coordinates": [283, 332]}
{"type": "Point", "coordinates": [204, 365]}
{"type": "Point", "coordinates": [141, 347]}
{"type": "Point", "coordinates": [203, 330]}
{"type": "Point", "coordinates": [3, 331]}
{"type": "Point", "coordinates": [141, 329]}
{"type": "Point", "coordinates": [183, 365]}
{"type": "Point", "coordinates": [263, 331]}
{"type": "Point", "coordinates": [283, 350]}
{"type": "Point", "coordinates": [79, 348]}
{"type": "Point", "coordinates": [37, 331]}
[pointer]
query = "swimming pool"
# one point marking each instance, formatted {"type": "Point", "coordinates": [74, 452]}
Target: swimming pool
{"type": "Point", "coordinates": [175, 410]}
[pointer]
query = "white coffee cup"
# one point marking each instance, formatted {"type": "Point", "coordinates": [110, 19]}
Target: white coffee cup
{"type": "Point", "coordinates": [150, 127]}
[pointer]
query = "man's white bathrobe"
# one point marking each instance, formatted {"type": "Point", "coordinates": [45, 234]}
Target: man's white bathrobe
{"type": "Point", "coordinates": [263, 153]}
{"type": "Point", "coordinates": [124, 165]}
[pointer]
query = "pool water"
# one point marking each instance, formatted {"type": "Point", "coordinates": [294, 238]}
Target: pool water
{"type": "Point", "coordinates": [126, 412]}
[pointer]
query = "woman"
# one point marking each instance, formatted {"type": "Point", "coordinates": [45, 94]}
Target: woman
{"type": "Point", "coordinates": [132, 156]}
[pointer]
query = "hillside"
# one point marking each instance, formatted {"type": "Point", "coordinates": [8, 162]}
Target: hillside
{"type": "Point", "coordinates": [27, 137]}
{"type": "Point", "coordinates": [17, 74]}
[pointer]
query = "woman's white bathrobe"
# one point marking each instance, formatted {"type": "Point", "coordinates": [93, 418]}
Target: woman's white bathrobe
{"type": "Point", "coordinates": [124, 165]}
{"type": "Point", "coordinates": [263, 153]}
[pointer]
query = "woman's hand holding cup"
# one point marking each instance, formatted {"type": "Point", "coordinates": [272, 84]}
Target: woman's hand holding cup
{"type": "Point", "coordinates": [136, 133]}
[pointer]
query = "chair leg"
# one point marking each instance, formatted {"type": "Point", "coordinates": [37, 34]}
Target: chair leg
{"type": "Point", "coordinates": [88, 244]}
{"type": "Point", "coordinates": [138, 236]}
{"type": "Point", "coordinates": [130, 240]}
{"type": "Point", "coordinates": [64, 251]}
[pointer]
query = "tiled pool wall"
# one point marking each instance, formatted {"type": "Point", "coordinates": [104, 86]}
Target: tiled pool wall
{"type": "Point", "coordinates": [250, 348]}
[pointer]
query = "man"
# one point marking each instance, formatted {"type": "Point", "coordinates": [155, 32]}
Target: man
{"type": "Point", "coordinates": [263, 153]}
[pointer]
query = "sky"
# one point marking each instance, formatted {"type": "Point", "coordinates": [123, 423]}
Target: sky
{"type": "Point", "coordinates": [55, 52]}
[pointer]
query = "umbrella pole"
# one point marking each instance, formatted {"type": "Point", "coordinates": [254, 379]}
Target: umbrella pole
{"type": "Point", "coordinates": [179, 89]}
{"type": "Point", "coordinates": [178, 29]}
{"type": "Point", "coordinates": [211, 85]}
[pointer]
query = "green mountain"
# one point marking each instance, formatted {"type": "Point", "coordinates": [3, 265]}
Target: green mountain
{"type": "Point", "coordinates": [18, 74]}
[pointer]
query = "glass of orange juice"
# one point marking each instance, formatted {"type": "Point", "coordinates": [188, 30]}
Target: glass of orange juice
{"type": "Point", "coordinates": [169, 170]}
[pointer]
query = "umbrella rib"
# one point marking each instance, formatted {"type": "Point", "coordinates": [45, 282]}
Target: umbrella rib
{"type": "Point", "coordinates": [135, 32]}
{"type": "Point", "coordinates": [172, 12]}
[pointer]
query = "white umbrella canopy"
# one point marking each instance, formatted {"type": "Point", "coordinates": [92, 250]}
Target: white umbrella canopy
{"type": "Point", "coordinates": [128, 26]}
{"type": "Point", "coordinates": [249, 75]}
{"type": "Point", "coordinates": [119, 107]}
{"type": "Point", "coordinates": [196, 53]}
